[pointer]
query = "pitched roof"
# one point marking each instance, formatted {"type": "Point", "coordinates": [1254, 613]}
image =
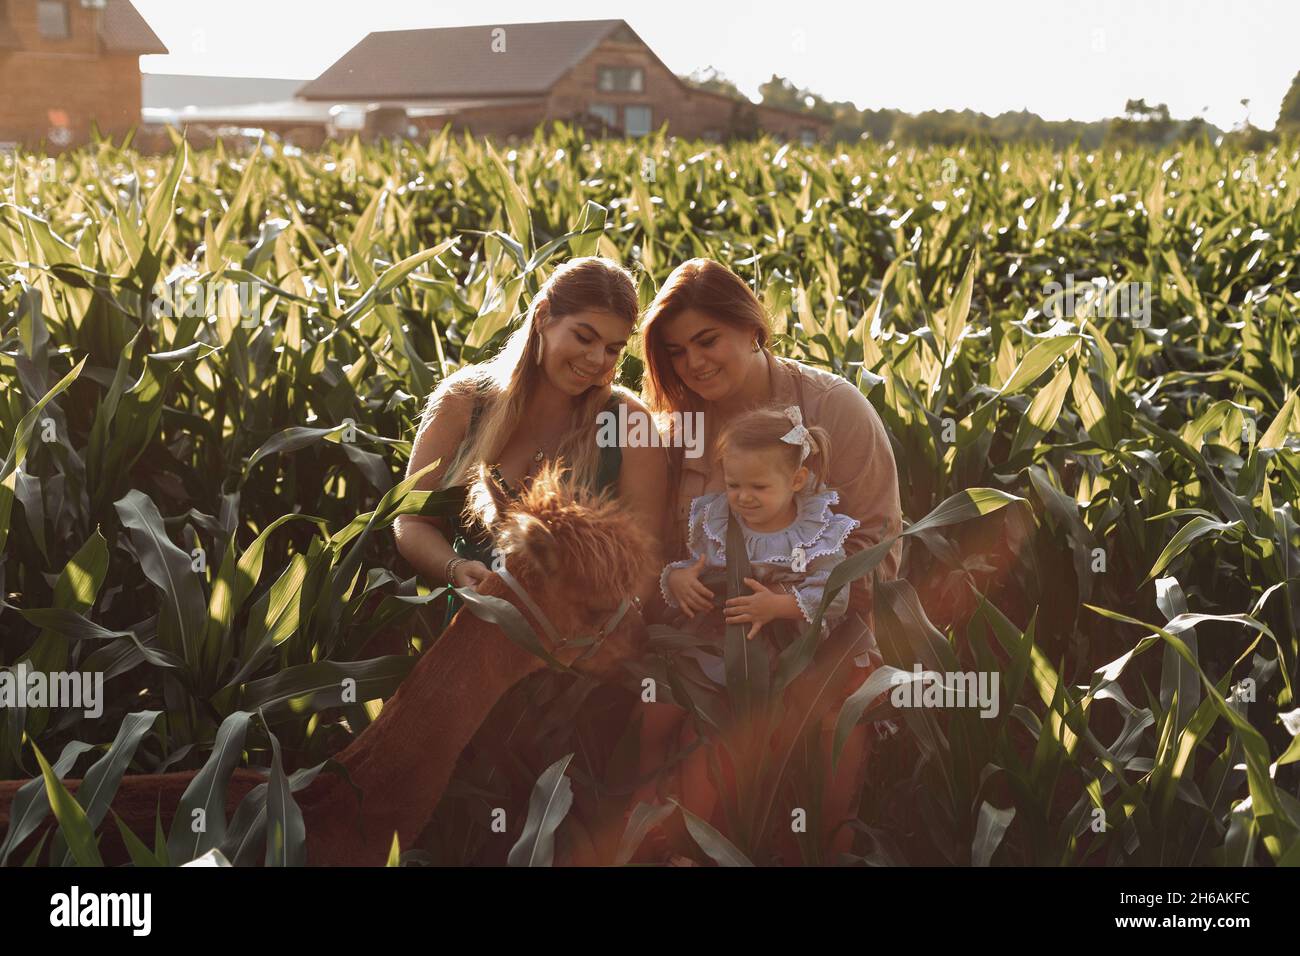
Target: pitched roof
{"type": "Point", "coordinates": [123, 30]}
{"type": "Point", "coordinates": [460, 61]}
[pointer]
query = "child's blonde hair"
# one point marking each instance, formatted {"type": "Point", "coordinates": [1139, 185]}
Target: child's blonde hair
{"type": "Point", "coordinates": [762, 429]}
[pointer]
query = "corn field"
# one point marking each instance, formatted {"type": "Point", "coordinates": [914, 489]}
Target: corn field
{"type": "Point", "coordinates": [213, 364]}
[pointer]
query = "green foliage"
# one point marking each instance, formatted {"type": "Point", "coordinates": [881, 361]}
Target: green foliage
{"type": "Point", "coordinates": [1288, 116]}
{"type": "Point", "coordinates": [194, 496]}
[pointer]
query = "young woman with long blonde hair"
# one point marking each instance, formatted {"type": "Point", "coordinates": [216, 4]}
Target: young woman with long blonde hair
{"type": "Point", "coordinates": [537, 400]}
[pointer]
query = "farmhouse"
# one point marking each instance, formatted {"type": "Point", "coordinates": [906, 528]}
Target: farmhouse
{"type": "Point", "coordinates": [67, 63]}
{"type": "Point", "coordinates": [503, 80]}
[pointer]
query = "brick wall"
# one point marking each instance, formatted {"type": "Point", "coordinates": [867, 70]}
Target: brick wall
{"type": "Point", "coordinates": [47, 83]}
{"type": "Point", "coordinates": [499, 122]}
{"type": "Point", "coordinates": [579, 89]}
{"type": "Point", "coordinates": [42, 91]}
{"type": "Point", "coordinates": [83, 28]}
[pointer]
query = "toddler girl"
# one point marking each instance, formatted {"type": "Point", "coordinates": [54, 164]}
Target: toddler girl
{"type": "Point", "coordinates": [792, 537]}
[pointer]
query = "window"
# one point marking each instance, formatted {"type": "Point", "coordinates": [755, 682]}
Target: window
{"type": "Point", "coordinates": [808, 136]}
{"type": "Point", "coordinates": [607, 113]}
{"type": "Point", "coordinates": [636, 120]}
{"type": "Point", "coordinates": [621, 79]}
{"type": "Point", "coordinates": [52, 19]}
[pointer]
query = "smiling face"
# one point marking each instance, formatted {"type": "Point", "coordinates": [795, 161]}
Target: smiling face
{"type": "Point", "coordinates": [761, 488]}
{"type": "Point", "coordinates": [582, 348]}
{"type": "Point", "coordinates": [714, 360]}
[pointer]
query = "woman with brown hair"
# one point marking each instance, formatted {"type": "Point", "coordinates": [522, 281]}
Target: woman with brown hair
{"type": "Point", "coordinates": [538, 399]}
{"type": "Point", "coordinates": [706, 337]}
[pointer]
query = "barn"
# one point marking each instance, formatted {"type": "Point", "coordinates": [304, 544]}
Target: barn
{"type": "Point", "coordinates": [65, 64]}
{"type": "Point", "coordinates": [504, 80]}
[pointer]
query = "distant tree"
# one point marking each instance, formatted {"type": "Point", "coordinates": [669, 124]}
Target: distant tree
{"type": "Point", "coordinates": [1247, 136]}
{"type": "Point", "coordinates": [941, 128]}
{"type": "Point", "coordinates": [782, 93]}
{"type": "Point", "coordinates": [713, 81]}
{"type": "Point", "coordinates": [852, 123]}
{"type": "Point", "coordinates": [1138, 111]}
{"type": "Point", "coordinates": [1194, 129]}
{"type": "Point", "coordinates": [1250, 138]}
{"type": "Point", "coordinates": [1288, 117]}
{"type": "Point", "coordinates": [1142, 125]}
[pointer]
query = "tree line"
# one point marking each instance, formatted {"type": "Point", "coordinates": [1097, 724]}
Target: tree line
{"type": "Point", "coordinates": [1140, 124]}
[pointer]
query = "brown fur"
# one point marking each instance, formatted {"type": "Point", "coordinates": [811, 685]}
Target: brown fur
{"type": "Point", "coordinates": [581, 548]}
{"type": "Point", "coordinates": [577, 557]}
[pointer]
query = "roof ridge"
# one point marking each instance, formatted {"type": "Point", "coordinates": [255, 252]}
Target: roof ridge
{"type": "Point", "coordinates": [490, 25]}
{"type": "Point", "coordinates": [368, 70]}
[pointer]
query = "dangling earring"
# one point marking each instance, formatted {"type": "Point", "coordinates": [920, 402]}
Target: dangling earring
{"type": "Point", "coordinates": [756, 347]}
{"type": "Point", "coordinates": [541, 344]}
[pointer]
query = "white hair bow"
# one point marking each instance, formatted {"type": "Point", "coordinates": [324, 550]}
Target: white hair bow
{"type": "Point", "coordinates": [798, 435]}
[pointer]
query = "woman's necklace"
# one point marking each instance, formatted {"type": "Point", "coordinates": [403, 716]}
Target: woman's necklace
{"type": "Point", "coordinates": [538, 457]}
{"type": "Point", "coordinates": [544, 449]}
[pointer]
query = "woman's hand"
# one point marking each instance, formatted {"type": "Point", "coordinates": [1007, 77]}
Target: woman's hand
{"type": "Point", "coordinates": [686, 589]}
{"type": "Point", "coordinates": [470, 574]}
{"type": "Point", "coordinates": [759, 608]}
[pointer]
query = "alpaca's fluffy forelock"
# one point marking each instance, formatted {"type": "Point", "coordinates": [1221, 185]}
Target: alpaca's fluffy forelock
{"type": "Point", "coordinates": [596, 543]}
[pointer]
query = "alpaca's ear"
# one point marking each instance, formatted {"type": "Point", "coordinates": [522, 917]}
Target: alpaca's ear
{"type": "Point", "coordinates": [531, 539]}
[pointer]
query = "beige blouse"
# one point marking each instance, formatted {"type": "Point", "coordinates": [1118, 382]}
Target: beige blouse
{"type": "Point", "coordinates": [862, 471]}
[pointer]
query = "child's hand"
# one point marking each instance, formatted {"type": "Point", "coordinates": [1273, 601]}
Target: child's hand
{"type": "Point", "coordinates": [686, 589]}
{"type": "Point", "coordinates": [759, 608]}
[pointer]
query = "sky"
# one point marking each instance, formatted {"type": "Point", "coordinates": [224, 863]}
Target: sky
{"type": "Point", "coordinates": [1063, 60]}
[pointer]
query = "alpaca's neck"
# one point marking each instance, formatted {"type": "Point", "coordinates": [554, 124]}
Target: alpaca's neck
{"type": "Point", "coordinates": [401, 763]}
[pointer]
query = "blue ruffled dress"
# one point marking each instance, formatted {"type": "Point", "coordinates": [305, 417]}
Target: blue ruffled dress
{"type": "Point", "coordinates": [815, 538]}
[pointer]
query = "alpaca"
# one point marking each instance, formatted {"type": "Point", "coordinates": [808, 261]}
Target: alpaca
{"type": "Point", "coordinates": [576, 556]}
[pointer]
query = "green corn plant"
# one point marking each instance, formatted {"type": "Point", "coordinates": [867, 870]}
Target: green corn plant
{"type": "Point", "coordinates": [212, 364]}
